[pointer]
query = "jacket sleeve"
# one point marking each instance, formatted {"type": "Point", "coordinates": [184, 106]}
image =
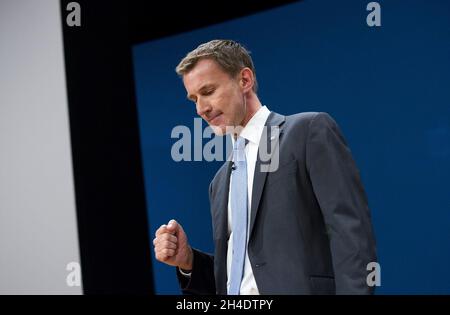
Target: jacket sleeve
{"type": "Point", "coordinates": [337, 185]}
{"type": "Point", "coordinates": [201, 280]}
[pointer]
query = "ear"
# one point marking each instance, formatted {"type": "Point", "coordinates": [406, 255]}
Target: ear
{"type": "Point", "coordinates": [247, 79]}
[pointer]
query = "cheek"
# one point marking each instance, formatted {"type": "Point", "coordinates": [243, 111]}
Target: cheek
{"type": "Point", "coordinates": [230, 105]}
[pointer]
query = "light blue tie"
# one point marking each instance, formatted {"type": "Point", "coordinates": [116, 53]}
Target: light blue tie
{"type": "Point", "coordinates": [239, 215]}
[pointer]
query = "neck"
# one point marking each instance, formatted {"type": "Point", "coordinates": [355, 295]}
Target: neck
{"type": "Point", "coordinates": [253, 105]}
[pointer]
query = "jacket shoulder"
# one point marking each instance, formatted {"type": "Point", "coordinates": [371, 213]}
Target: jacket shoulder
{"type": "Point", "coordinates": [306, 118]}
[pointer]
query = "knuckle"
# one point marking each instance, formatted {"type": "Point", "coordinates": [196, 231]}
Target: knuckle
{"type": "Point", "coordinates": [160, 230]}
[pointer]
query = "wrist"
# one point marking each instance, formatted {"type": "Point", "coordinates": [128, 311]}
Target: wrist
{"type": "Point", "coordinates": [188, 265]}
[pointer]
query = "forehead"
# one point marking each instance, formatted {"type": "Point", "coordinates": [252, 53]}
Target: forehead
{"type": "Point", "coordinates": [206, 71]}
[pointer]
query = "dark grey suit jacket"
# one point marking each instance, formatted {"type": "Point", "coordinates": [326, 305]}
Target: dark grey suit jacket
{"type": "Point", "coordinates": [310, 228]}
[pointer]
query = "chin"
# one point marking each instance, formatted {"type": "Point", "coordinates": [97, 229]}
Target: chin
{"type": "Point", "coordinates": [219, 130]}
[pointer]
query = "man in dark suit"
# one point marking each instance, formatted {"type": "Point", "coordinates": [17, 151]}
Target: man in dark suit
{"type": "Point", "coordinates": [294, 223]}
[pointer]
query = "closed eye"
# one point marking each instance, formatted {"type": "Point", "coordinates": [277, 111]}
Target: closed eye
{"type": "Point", "coordinates": [209, 92]}
{"type": "Point", "coordinates": [204, 91]}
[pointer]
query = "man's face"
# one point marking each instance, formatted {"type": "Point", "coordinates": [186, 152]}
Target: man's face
{"type": "Point", "coordinates": [218, 97]}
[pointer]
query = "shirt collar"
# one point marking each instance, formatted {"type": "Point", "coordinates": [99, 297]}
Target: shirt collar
{"type": "Point", "coordinates": [255, 126]}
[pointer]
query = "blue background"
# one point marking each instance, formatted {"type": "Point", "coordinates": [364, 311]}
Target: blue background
{"type": "Point", "coordinates": [387, 87]}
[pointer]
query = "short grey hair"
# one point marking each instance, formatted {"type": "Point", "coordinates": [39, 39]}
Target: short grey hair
{"type": "Point", "coordinates": [231, 56]}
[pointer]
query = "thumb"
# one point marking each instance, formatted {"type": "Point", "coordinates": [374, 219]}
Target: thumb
{"type": "Point", "coordinates": [173, 226]}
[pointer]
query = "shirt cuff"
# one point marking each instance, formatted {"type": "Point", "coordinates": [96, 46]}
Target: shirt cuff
{"type": "Point", "coordinates": [186, 274]}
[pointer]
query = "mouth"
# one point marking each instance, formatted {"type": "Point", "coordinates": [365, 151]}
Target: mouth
{"type": "Point", "coordinates": [214, 119]}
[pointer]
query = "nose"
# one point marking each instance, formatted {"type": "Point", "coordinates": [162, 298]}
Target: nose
{"type": "Point", "coordinates": [203, 107]}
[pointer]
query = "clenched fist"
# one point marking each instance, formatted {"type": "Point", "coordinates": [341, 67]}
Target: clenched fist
{"type": "Point", "coordinates": [172, 247]}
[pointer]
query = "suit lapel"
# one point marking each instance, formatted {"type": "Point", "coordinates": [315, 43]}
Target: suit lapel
{"type": "Point", "coordinates": [220, 202]}
{"type": "Point", "coordinates": [259, 178]}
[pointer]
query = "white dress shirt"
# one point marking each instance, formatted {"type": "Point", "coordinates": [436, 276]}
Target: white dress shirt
{"type": "Point", "coordinates": [252, 132]}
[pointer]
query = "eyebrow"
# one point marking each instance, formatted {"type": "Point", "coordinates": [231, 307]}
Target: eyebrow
{"type": "Point", "coordinates": [202, 89]}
